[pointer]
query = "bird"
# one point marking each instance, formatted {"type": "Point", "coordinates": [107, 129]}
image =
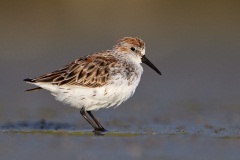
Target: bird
{"type": "Point", "coordinates": [99, 80]}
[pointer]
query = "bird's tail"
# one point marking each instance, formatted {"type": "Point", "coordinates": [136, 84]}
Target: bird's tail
{"type": "Point", "coordinates": [29, 80]}
{"type": "Point", "coordinates": [33, 89]}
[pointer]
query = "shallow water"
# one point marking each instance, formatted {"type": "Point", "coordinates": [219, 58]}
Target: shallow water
{"type": "Point", "coordinates": [83, 145]}
{"type": "Point", "coordinates": [52, 140]}
{"type": "Point", "coordinates": [54, 128]}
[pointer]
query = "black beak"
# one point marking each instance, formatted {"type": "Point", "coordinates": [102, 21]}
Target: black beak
{"type": "Point", "coordinates": [147, 62]}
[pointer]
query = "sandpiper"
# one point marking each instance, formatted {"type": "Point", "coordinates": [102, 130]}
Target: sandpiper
{"type": "Point", "coordinates": [99, 80]}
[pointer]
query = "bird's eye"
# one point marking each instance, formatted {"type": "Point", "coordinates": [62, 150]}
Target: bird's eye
{"type": "Point", "coordinates": [132, 48]}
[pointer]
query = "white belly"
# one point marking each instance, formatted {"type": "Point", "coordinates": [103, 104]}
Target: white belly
{"type": "Point", "coordinates": [96, 98]}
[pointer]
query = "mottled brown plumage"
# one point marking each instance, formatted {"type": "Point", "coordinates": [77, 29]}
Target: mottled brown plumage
{"type": "Point", "coordinates": [88, 71]}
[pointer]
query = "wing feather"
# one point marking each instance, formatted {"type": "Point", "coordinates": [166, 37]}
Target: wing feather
{"type": "Point", "coordinates": [90, 71]}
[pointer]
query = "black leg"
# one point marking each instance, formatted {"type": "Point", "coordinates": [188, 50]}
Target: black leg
{"type": "Point", "coordinates": [83, 113]}
{"type": "Point", "coordinates": [100, 127]}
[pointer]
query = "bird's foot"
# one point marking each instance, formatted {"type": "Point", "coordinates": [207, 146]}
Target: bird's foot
{"type": "Point", "coordinates": [99, 131]}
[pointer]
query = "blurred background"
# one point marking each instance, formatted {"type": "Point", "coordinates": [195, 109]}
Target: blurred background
{"type": "Point", "coordinates": [195, 44]}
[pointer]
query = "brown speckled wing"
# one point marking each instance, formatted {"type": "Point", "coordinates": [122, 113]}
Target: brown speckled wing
{"type": "Point", "coordinates": [90, 71]}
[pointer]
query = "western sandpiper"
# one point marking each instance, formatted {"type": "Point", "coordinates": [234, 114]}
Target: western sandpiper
{"type": "Point", "coordinates": [99, 80]}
